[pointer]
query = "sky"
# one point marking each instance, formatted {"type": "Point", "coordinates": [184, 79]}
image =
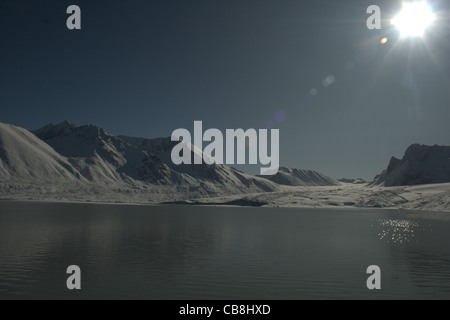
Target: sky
{"type": "Point", "coordinates": [344, 103]}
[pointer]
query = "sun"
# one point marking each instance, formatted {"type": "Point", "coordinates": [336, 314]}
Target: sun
{"type": "Point", "coordinates": [414, 19]}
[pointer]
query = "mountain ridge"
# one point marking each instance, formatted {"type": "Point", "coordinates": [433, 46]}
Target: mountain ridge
{"type": "Point", "coordinates": [89, 157]}
{"type": "Point", "coordinates": [421, 164]}
{"type": "Point", "coordinates": [298, 177]}
{"type": "Point", "coordinates": [102, 168]}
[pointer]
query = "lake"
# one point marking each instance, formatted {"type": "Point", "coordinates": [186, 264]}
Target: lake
{"type": "Point", "coordinates": [193, 252]}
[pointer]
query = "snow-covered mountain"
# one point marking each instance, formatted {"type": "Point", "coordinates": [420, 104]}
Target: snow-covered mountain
{"type": "Point", "coordinates": [99, 156]}
{"type": "Point", "coordinates": [24, 157]}
{"type": "Point", "coordinates": [297, 177]}
{"type": "Point", "coordinates": [90, 158]}
{"type": "Point", "coordinates": [421, 164]}
{"type": "Point", "coordinates": [226, 178]}
{"type": "Point", "coordinates": [65, 162]}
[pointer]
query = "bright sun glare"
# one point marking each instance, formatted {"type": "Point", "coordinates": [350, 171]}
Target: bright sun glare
{"type": "Point", "coordinates": [414, 19]}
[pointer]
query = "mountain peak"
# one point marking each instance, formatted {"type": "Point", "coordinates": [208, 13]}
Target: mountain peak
{"type": "Point", "coordinates": [50, 130]}
{"type": "Point", "coordinates": [67, 128]}
{"type": "Point", "coordinates": [422, 152]}
{"type": "Point", "coordinates": [421, 164]}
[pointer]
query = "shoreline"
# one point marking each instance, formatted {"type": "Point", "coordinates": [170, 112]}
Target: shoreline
{"type": "Point", "coordinates": [420, 198]}
{"type": "Point", "coordinates": [406, 213]}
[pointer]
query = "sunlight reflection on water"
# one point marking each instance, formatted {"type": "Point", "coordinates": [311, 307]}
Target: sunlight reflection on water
{"type": "Point", "coordinates": [397, 230]}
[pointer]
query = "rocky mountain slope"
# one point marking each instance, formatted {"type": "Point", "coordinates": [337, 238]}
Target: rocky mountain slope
{"type": "Point", "coordinates": [297, 177]}
{"type": "Point", "coordinates": [421, 164]}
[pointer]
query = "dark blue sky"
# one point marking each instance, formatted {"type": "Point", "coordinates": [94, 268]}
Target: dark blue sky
{"type": "Point", "coordinates": [146, 68]}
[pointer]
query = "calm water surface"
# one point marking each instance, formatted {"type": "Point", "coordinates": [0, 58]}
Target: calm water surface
{"type": "Point", "coordinates": [186, 252]}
